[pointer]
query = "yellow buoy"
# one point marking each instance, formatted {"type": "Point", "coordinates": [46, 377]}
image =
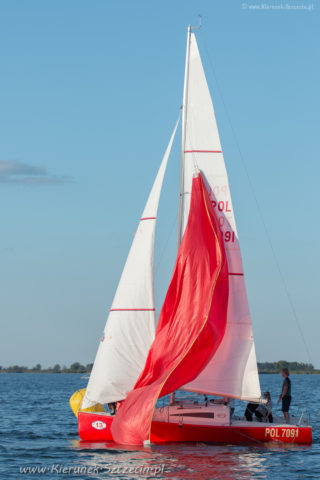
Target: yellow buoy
{"type": "Point", "coordinates": [76, 400]}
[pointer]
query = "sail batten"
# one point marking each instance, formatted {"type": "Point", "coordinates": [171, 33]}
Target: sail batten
{"type": "Point", "coordinates": [130, 326]}
{"type": "Point", "coordinates": [233, 370]}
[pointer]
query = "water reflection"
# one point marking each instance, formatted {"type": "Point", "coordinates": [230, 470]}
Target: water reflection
{"type": "Point", "coordinates": [180, 461]}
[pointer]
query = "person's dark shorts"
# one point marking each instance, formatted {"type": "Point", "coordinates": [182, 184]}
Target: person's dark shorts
{"type": "Point", "coordinates": [286, 404]}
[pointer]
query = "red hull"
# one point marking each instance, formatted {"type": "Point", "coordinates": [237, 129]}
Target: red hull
{"type": "Point", "coordinates": [170, 432]}
{"type": "Point", "coordinates": [96, 427]}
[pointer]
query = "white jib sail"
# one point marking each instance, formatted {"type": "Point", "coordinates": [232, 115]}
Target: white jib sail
{"type": "Point", "coordinates": [233, 370]}
{"type": "Point", "coordinates": [130, 327]}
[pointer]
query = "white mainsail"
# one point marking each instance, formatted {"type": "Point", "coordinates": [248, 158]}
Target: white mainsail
{"type": "Point", "coordinates": [130, 327]}
{"type": "Point", "coordinates": [232, 372]}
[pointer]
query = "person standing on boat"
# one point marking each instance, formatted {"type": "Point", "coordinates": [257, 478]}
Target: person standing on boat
{"type": "Point", "coordinates": [285, 395]}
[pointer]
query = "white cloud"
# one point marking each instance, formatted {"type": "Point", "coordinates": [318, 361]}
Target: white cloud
{"type": "Point", "coordinates": [15, 172]}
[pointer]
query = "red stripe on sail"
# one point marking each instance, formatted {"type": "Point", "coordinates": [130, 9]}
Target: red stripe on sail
{"type": "Point", "coordinates": [148, 218]}
{"type": "Point", "coordinates": [202, 151]}
{"type": "Point", "coordinates": [192, 321]}
{"type": "Point", "coordinates": [240, 274]}
{"type": "Point", "coordinates": [132, 310]}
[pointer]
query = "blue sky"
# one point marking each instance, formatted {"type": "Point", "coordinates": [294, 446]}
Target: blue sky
{"type": "Point", "coordinates": [90, 91]}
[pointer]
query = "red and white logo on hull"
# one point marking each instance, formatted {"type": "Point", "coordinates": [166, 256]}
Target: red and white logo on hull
{"type": "Point", "coordinates": [98, 425]}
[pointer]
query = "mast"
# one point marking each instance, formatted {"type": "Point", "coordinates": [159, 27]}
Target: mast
{"type": "Point", "coordinates": [183, 142]}
{"type": "Point", "coordinates": [183, 139]}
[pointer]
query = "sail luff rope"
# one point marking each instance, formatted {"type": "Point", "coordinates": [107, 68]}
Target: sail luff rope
{"type": "Point", "coordinates": [183, 136]}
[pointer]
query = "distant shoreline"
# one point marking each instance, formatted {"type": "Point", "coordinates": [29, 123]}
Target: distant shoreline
{"type": "Point", "coordinates": [292, 372]}
{"type": "Point", "coordinates": [295, 368]}
{"type": "Point", "coordinates": [4, 372]}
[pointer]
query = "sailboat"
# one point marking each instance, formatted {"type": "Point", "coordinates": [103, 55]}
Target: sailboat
{"type": "Point", "coordinates": [203, 342]}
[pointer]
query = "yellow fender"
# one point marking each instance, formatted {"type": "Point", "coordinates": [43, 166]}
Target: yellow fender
{"type": "Point", "coordinates": [76, 400]}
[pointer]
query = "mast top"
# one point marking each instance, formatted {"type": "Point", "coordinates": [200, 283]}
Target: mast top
{"type": "Point", "coordinates": [190, 27]}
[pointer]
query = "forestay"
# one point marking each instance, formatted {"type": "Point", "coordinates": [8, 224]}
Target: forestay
{"type": "Point", "coordinates": [130, 327]}
{"type": "Point", "coordinates": [232, 372]}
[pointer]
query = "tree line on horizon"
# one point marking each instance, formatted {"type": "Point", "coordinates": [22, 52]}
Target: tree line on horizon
{"type": "Point", "coordinates": [294, 367]}
{"type": "Point", "coordinates": [76, 367]}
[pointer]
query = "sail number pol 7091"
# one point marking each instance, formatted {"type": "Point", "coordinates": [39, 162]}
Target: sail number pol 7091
{"type": "Point", "coordinates": [276, 433]}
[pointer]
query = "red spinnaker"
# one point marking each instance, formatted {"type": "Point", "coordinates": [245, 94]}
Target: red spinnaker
{"type": "Point", "coordinates": [192, 320]}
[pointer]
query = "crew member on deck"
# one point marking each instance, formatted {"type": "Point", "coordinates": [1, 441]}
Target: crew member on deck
{"type": "Point", "coordinates": [112, 408]}
{"type": "Point", "coordinates": [264, 410]}
{"type": "Point", "coordinates": [285, 395]}
{"type": "Point", "coordinates": [250, 409]}
{"type": "Point", "coordinates": [231, 404]}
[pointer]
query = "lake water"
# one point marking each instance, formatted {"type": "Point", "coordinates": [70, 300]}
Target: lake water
{"type": "Point", "coordinates": [39, 431]}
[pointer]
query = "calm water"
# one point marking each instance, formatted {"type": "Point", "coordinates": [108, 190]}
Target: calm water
{"type": "Point", "coordinates": [38, 430]}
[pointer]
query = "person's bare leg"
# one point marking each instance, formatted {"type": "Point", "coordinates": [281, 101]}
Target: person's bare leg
{"type": "Point", "coordinates": [287, 417]}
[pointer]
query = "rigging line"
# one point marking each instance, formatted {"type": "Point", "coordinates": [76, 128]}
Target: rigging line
{"type": "Point", "coordinates": [165, 244]}
{"type": "Point", "coordinates": [275, 258]}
